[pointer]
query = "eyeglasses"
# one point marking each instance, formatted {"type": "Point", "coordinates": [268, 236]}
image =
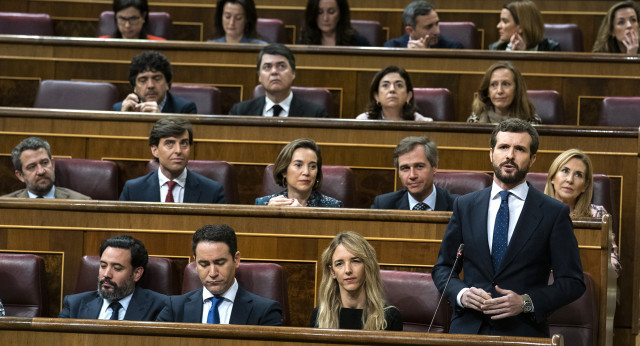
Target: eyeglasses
{"type": "Point", "coordinates": [131, 20]}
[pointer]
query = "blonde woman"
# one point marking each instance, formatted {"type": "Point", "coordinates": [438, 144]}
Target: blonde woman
{"type": "Point", "coordinates": [351, 288]}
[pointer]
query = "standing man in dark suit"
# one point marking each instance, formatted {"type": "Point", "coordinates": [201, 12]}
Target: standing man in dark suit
{"type": "Point", "coordinates": [220, 300]}
{"type": "Point", "coordinates": [416, 160]}
{"type": "Point", "coordinates": [122, 263]}
{"type": "Point", "coordinates": [150, 76]}
{"type": "Point", "coordinates": [171, 140]}
{"type": "Point", "coordinates": [33, 166]}
{"type": "Point", "coordinates": [276, 72]}
{"type": "Point", "coordinates": [514, 237]}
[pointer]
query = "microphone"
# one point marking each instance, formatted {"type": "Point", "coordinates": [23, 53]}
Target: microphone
{"type": "Point", "coordinates": [458, 254]}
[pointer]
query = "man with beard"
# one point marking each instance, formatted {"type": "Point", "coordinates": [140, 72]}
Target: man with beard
{"type": "Point", "coordinates": [276, 72]}
{"type": "Point", "coordinates": [34, 167]}
{"type": "Point", "coordinates": [514, 237]}
{"type": "Point", "coordinates": [122, 263]}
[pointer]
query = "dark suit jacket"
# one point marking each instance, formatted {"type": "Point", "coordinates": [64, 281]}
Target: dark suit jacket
{"type": "Point", "coordinates": [400, 200]}
{"type": "Point", "coordinates": [299, 108]}
{"type": "Point", "coordinates": [198, 189]}
{"type": "Point", "coordinates": [248, 309]}
{"type": "Point", "coordinates": [174, 104]}
{"type": "Point", "coordinates": [543, 239]}
{"type": "Point", "coordinates": [61, 193]}
{"type": "Point", "coordinates": [145, 305]}
{"type": "Point", "coordinates": [402, 41]}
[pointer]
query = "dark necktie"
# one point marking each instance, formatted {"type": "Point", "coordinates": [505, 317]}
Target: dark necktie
{"type": "Point", "coordinates": [501, 231]}
{"type": "Point", "coordinates": [171, 185]}
{"type": "Point", "coordinates": [115, 309]}
{"type": "Point", "coordinates": [276, 110]}
{"type": "Point", "coordinates": [214, 315]}
{"type": "Point", "coordinates": [421, 206]}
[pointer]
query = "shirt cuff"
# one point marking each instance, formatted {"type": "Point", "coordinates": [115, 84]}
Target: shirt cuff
{"type": "Point", "coordinates": [459, 297]}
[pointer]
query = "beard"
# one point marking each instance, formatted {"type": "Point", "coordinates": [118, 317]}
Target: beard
{"type": "Point", "coordinates": [515, 177]}
{"type": "Point", "coordinates": [118, 292]}
{"type": "Point", "coordinates": [42, 190]}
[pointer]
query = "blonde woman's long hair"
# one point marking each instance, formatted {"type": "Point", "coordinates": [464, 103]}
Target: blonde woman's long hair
{"type": "Point", "coordinates": [583, 201]}
{"type": "Point", "coordinates": [330, 304]}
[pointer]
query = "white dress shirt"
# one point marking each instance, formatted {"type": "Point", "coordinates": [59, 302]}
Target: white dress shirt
{"type": "Point", "coordinates": [178, 189]}
{"type": "Point", "coordinates": [50, 194]}
{"type": "Point", "coordinates": [430, 200]}
{"type": "Point", "coordinates": [285, 104]}
{"type": "Point", "coordinates": [224, 309]}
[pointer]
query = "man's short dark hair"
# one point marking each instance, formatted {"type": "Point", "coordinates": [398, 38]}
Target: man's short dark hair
{"type": "Point", "coordinates": [216, 233]}
{"type": "Point", "coordinates": [409, 143]}
{"type": "Point", "coordinates": [415, 9]}
{"type": "Point", "coordinates": [518, 126]}
{"type": "Point", "coordinates": [149, 61]}
{"type": "Point", "coordinates": [169, 127]}
{"type": "Point", "coordinates": [139, 255]}
{"type": "Point", "coordinates": [30, 143]}
{"type": "Point", "coordinates": [277, 49]}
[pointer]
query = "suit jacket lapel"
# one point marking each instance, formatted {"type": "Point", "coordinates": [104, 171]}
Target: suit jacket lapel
{"type": "Point", "coordinates": [479, 216]}
{"type": "Point", "coordinates": [137, 306]}
{"type": "Point", "coordinates": [403, 204]}
{"type": "Point", "coordinates": [193, 308]}
{"type": "Point", "coordinates": [91, 310]}
{"type": "Point", "coordinates": [191, 190]}
{"type": "Point", "coordinates": [257, 106]}
{"type": "Point", "coordinates": [60, 194]}
{"type": "Point", "coordinates": [241, 308]}
{"type": "Point", "coordinates": [153, 190]}
{"type": "Point", "coordinates": [527, 223]}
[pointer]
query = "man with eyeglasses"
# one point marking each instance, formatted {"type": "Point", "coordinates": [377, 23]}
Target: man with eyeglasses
{"type": "Point", "coordinates": [170, 140]}
{"type": "Point", "coordinates": [150, 76]}
{"type": "Point", "coordinates": [276, 72]}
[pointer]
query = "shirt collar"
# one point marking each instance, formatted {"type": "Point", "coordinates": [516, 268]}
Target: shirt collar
{"type": "Point", "coordinates": [430, 200]}
{"type": "Point", "coordinates": [519, 191]}
{"type": "Point", "coordinates": [181, 179]}
{"type": "Point", "coordinates": [164, 101]}
{"type": "Point", "coordinates": [124, 301]}
{"type": "Point", "coordinates": [229, 295]}
{"type": "Point", "coordinates": [285, 104]}
{"type": "Point", "coordinates": [50, 194]}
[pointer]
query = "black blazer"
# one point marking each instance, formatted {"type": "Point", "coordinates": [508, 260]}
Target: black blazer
{"type": "Point", "coordinates": [543, 240]}
{"type": "Point", "coordinates": [299, 108]}
{"type": "Point", "coordinates": [248, 309]}
{"type": "Point", "coordinates": [198, 189]}
{"type": "Point", "coordinates": [399, 200]}
{"type": "Point", "coordinates": [174, 104]}
{"type": "Point", "coordinates": [145, 305]}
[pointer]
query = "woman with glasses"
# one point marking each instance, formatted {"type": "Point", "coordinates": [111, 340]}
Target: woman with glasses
{"type": "Point", "coordinates": [131, 17]}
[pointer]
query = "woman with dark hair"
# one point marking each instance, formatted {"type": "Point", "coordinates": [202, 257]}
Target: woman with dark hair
{"type": "Point", "coordinates": [236, 22]}
{"type": "Point", "coordinates": [132, 18]}
{"type": "Point", "coordinates": [391, 97]}
{"type": "Point", "coordinates": [298, 168]}
{"type": "Point", "coordinates": [521, 28]}
{"type": "Point", "coordinates": [328, 23]}
{"type": "Point", "coordinates": [619, 30]}
{"type": "Point", "coordinates": [570, 181]}
{"type": "Point", "coordinates": [502, 95]}
{"type": "Point", "coordinates": [350, 295]}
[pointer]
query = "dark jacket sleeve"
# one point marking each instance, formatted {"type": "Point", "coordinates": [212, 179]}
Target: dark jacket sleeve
{"type": "Point", "coordinates": [66, 309]}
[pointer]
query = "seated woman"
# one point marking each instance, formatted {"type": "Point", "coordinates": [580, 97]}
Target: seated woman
{"type": "Point", "coordinates": [236, 22]}
{"type": "Point", "coordinates": [298, 168]}
{"type": "Point", "coordinates": [328, 23]}
{"type": "Point", "coordinates": [391, 97]}
{"type": "Point", "coordinates": [619, 30]}
{"type": "Point", "coordinates": [570, 181]}
{"type": "Point", "coordinates": [502, 95]}
{"type": "Point", "coordinates": [521, 28]}
{"type": "Point", "coordinates": [132, 18]}
{"type": "Point", "coordinates": [350, 294]}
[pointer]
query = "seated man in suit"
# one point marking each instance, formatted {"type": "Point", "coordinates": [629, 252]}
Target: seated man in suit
{"type": "Point", "coordinates": [171, 140]}
{"type": "Point", "coordinates": [422, 25]}
{"type": "Point", "coordinates": [416, 160]}
{"type": "Point", "coordinates": [150, 76]}
{"type": "Point", "coordinates": [276, 72]}
{"type": "Point", "coordinates": [34, 167]}
{"type": "Point", "coordinates": [122, 263]}
{"type": "Point", "coordinates": [220, 300]}
{"type": "Point", "coordinates": [515, 236]}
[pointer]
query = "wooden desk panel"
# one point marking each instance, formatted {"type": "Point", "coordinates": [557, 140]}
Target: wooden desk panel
{"type": "Point", "coordinates": [403, 239]}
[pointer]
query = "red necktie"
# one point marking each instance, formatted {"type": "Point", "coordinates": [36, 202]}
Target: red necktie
{"type": "Point", "coordinates": [171, 184]}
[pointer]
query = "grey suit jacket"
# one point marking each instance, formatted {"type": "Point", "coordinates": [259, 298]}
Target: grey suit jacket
{"type": "Point", "coordinates": [61, 193]}
{"type": "Point", "coordinates": [299, 108]}
{"type": "Point", "coordinates": [248, 309]}
{"type": "Point", "coordinates": [145, 305]}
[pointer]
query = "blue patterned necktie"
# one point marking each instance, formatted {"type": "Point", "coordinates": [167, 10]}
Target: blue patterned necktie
{"type": "Point", "coordinates": [501, 231]}
{"type": "Point", "coordinates": [214, 315]}
{"type": "Point", "coordinates": [421, 206]}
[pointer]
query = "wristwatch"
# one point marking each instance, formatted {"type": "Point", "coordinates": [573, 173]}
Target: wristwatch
{"type": "Point", "coordinates": [527, 306]}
